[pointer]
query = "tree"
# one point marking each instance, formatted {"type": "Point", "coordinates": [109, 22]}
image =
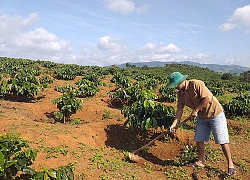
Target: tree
{"type": "Point", "coordinates": [128, 65]}
{"type": "Point", "coordinates": [245, 76]}
{"type": "Point", "coordinates": [227, 76]}
{"type": "Point", "coordinates": [145, 67]}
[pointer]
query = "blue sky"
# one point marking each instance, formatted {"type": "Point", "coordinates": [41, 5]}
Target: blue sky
{"type": "Point", "coordinates": [107, 32]}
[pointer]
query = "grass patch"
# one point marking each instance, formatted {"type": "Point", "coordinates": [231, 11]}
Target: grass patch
{"type": "Point", "coordinates": [213, 154]}
{"type": "Point", "coordinates": [112, 166]}
{"type": "Point", "coordinates": [177, 173]}
{"type": "Point", "coordinates": [106, 114]}
{"type": "Point", "coordinates": [55, 151]}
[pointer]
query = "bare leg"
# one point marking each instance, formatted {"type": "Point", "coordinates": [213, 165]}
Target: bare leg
{"type": "Point", "coordinates": [227, 153]}
{"type": "Point", "coordinates": [200, 147]}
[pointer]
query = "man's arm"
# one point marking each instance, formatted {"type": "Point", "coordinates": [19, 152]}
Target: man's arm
{"type": "Point", "coordinates": [177, 117]}
{"type": "Point", "coordinates": [203, 104]}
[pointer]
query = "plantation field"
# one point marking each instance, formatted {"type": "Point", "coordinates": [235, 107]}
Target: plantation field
{"type": "Point", "coordinates": [96, 142]}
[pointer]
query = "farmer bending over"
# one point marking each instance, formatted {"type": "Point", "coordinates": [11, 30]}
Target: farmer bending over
{"type": "Point", "coordinates": [211, 118]}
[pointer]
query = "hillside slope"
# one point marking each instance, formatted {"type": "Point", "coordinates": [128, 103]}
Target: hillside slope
{"type": "Point", "coordinates": [215, 67]}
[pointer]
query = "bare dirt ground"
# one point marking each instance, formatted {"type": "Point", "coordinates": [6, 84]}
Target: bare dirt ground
{"type": "Point", "coordinates": [98, 147]}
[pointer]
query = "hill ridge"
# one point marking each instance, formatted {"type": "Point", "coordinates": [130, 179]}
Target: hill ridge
{"type": "Point", "coordinates": [233, 69]}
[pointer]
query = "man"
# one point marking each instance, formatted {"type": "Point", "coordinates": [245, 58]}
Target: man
{"type": "Point", "coordinates": [211, 118]}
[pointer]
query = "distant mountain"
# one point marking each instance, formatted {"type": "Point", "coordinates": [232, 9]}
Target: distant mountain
{"type": "Point", "coordinates": [233, 69]}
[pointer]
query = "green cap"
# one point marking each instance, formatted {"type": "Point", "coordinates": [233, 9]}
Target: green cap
{"type": "Point", "coordinates": [175, 79]}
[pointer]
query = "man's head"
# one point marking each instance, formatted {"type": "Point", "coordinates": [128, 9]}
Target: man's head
{"type": "Point", "coordinates": [175, 79]}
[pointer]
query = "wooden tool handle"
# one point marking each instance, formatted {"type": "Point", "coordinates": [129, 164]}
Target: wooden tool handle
{"type": "Point", "coordinates": [158, 137]}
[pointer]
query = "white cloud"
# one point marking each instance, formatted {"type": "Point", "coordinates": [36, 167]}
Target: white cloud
{"type": "Point", "coordinates": [10, 26]}
{"type": "Point", "coordinates": [17, 40]}
{"type": "Point", "coordinates": [170, 48]}
{"type": "Point", "coordinates": [240, 18]}
{"type": "Point", "coordinates": [125, 6]}
{"type": "Point", "coordinates": [122, 6]}
{"type": "Point", "coordinates": [159, 52]}
{"type": "Point", "coordinates": [161, 57]}
{"type": "Point", "coordinates": [160, 48]}
{"type": "Point", "coordinates": [233, 61]}
{"type": "Point", "coordinates": [142, 9]}
{"type": "Point", "coordinates": [201, 56]}
{"type": "Point", "coordinates": [149, 47]}
{"type": "Point", "coordinates": [13, 24]}
{"type": "Point", "coordinates": [108, 44]}
{"type": "Point", "coordinates": [42, 41]}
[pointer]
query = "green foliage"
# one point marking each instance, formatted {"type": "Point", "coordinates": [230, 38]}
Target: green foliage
{"type": "Point", "coordinates": [87, 88]}
{"type": "Point", "coordinates": [130, 94]}
{"type": "Point", "coordinates": [133, 94]}
{"type": "Point", "coordinates": [216, 91]}
{"type": "Point", "coordinates": [46, 80]}
{"type": "Point", "coordinates": [67, 104]}
{"type": "Point", "coordinates": [18, 78]}
{"type": "Point", "coordinates": [227, 76]}
{"type": "Point", "coordinates": [121, 79]}
{"type": "Point", "coordinates": [176, 173]}
{"type": "Point", "coordinates": [48, 64]}
{"type": "Point", "coordinates": [245, 76]}
{"type": "Point", "coordinates": [167, 94]}
{"type": "Point", "coordinates": [212, 154]}
{"type": "Point", "coordinates": [188, 154]}
{"type": "Point", "coordinates": [13, 66]}
{"type": "Point", "coordinates": [91, 76]}
{"type": "Point", "coordinates": [106, 115]}
{"type": "Point", "coordinates": [15, 155]}
{"type": "Point", "coordinates": [62, 173]}
{"type": "Point", "coordinates": [238, 106]}
{"type": "Point", "coordinates": [142, 112]}
{"type": "Point", "coordinates": [64, 89]}
{"type": "Point", "coordinates": [23, 86]}
{"type": "Point", "coordinates": [147, 114]}
{"type": "Point", "coordinates": [65, 73]}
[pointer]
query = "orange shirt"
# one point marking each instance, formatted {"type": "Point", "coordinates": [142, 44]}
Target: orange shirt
{"type": "Point", "coordinates": [191, 96]}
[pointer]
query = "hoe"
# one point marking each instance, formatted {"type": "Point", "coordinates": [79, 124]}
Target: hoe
{"type": "Point", "coordinates": [132, 155]}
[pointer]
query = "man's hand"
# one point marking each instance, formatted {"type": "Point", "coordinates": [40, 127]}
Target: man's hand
{"type": "Point", "coordinates": [172, 128]}
{"type": "Point", "coordinates": [194, 114]}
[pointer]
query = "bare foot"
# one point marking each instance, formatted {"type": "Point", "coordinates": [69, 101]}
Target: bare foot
{"type": "Point", "coordinates": [196, 164]}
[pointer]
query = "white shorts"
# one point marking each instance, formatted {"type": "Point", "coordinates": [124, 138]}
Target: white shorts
{"type": "Point", "coordinates": [217, 125]}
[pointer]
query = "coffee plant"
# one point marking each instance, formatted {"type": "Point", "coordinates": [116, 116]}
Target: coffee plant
{"type": "Point", "coordinates": [167, 94]}
{"type": "Point", "coordinates": [148, 114]}
{"type": "Point", "coordinates": [67, 104]}
{"type": "Point", "coordinates": [150, 84]}
{"type": "Point", "coordinates": [63, 172]}
{"type": "Point", "coordinates": [87, 88]}
{"type": "Point", "coordinates": [239, 106]}
{"type": "Point", "coordinates": [23, 86]}
{"type": "Point", "coordinates": [121, 80]}
{"type": "Point", "coordinates": [65, 73]}
{"type": "Point", "coordinates": [64, 89]}
{"type": "Point", "coordinates": [217, 91]}
{"type": "Point", "coordinates": [132, 94]}
{"type": "Point", "coordinates": [17, 156]}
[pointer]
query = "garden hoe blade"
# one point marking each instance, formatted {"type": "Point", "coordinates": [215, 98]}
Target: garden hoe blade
{"type": "Point", "coordinates": [136, 158]}
{"type": "Point", "coordinates": [133, 157]}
